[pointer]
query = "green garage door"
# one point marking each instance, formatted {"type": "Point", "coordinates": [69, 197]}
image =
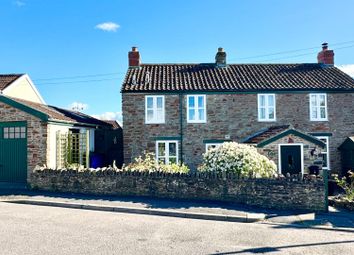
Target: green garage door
{"type": "Point", "coordinates": [13, 152]}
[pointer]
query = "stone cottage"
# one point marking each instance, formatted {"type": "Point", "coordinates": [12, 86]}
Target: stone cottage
{"type": "Point", "coordinates": [294, 113]}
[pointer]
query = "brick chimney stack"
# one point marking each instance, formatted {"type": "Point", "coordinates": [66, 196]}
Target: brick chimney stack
{"type": "Point", "coordinates": [220, 58]}
{"type": "Point", "coordinates": [325, 56]}
{"type": "Point", "coordinates": [134, 58]}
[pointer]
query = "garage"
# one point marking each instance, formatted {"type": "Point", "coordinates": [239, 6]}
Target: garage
{"type": "Point", "coordinates": [13, 152]}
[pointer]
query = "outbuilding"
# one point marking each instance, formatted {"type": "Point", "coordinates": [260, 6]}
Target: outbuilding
{"type": "Point", "coordinates": [34, 134]}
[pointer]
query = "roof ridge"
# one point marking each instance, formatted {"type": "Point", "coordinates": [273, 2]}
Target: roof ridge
{"type": "Point", "coordinates": [232, 64]}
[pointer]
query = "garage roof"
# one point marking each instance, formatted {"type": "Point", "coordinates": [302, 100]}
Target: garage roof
{"type": "Point", "coordinates": [7, 79]}
{"type": "Point", "coordinates": [53, 113]}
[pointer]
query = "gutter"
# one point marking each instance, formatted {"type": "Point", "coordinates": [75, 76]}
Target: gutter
{"type": "Point", "coordinates": [181, 123]}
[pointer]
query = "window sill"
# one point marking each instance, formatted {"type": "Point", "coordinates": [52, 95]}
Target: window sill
{"type": "Point", "coordinates": [151, 123]}
{"type": "Point", "coordinates": [267, 120]}
{"type": "Point", "coordinates": [196, 122]}
{"type": "Point", "coordinates": [318, 120]}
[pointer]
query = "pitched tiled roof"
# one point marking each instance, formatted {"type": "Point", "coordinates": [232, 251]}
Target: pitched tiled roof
{"type": "Point", "coordinates": [265, 134]}
{"type": "Point", "coordinates": [235, 77]}
{"type": "Point", "coordinates": [114, 123]}
{"type": "Point", "coordinates": [271, 134]}
{"type": "Point", "coordinates": [7, 79]}
{"type": "Point", "coordinates": [59, 114]}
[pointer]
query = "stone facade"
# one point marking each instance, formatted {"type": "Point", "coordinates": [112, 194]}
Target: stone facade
{"type": "Point", "coordinates": [234, 116]}
{"type": "Point", "coordinates": [303, 194]}
{"type": "Point", "coordinates": [36, 135]}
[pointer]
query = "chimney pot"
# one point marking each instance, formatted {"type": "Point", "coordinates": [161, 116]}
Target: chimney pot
{"type": "Point", "coordinates": [220, 58]}
{"type": "Point", "coordinates": [134, 57]}
{"type": "Point", "coordinates": [324, 46]}
{"type": "Point", "coordinates": [325, 56]}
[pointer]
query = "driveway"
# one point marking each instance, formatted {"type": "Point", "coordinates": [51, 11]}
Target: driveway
{"type": "Point", "coordinates": [28, 229]}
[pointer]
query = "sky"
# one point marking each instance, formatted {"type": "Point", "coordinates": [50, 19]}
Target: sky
{"type": "Point", "coordinates": [76, 51]}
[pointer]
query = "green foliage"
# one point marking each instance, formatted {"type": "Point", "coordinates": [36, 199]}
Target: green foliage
{"type": "Point", "coordinates": [348, 187]}
{"type": "Point", "coordinates": [147, 163]}
{"type": "Point", "coordinates": [241, 159]}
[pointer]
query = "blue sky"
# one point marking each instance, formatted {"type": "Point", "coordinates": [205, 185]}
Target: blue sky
{"type": "Point", "coordinates": [73, 56]}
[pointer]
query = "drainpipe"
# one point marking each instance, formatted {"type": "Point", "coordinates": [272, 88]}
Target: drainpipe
{"type": "Point", "coordinates": [181, 123]}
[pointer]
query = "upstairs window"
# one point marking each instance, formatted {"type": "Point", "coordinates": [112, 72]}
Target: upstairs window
{"type": "Point", "coordinates": [167, 152]}
{"type": "Point", "coordinates": [196, 109]}
{"type": "Point", "coordinates": [154, 109]}
{"type": "Point", "coordinates": [266, 107]}
{"type": "Point", "coordinates": [318, 107]}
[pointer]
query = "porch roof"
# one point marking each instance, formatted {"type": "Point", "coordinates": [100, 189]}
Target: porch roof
{"type": "Point", "coordinates": [271, 134]}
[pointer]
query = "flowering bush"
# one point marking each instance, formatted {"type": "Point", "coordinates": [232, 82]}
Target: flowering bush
{"type": "Point", "coordinates": [241, 159]}
{"type": "Point", "coordinates": [347, 186]}
{"type": "Point", "coordinates": [147, 163]}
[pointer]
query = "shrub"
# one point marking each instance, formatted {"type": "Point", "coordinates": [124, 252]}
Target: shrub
{"type": "Point", "coordinates": [240, 159]}
{"type": "Point", "coordinates": [147, 163]}
{"type": "Point", "coordinates": [348, 187]}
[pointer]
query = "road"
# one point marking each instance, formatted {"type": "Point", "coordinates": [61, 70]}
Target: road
{"type": "Point", "coordinates": [27, 229]}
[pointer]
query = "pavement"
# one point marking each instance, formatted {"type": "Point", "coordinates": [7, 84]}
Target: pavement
{"type": "Point", "coordinates": [205, 210]}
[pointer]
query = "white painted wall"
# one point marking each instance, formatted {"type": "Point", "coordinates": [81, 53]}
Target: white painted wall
{"type": "Point", "coordinates": [52, 143]}
{"type": "Point", "coordinates": [52, 140]}
{"type": "Point", "coordinates": [23, 88]}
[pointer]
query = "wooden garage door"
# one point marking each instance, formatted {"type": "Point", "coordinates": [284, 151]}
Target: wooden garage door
{"type": "Point", "coordinates": [13, 152]}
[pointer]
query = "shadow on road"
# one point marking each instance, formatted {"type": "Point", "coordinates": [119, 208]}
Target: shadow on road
{"type": "Point", "coordinates": [280, 248]}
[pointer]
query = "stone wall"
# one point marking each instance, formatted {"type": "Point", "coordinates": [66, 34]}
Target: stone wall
{"type": "Point", "coordinates": [36, 135]}
{"type": "Point", "coordinates": [233, 115]}
{"type": "Point", "coordinates": [305, 194]}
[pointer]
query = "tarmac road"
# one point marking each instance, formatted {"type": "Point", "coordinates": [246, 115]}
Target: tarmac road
{"type": "Point", "coordinates": [28, 229]}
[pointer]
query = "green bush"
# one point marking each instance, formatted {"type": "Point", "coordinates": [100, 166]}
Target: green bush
{"type": "Point", "coordinates": [147, 163]}
{"type": "Point", "coordinates": [348, 187]}
{"type": "Point", "coordinates": [241, 159]}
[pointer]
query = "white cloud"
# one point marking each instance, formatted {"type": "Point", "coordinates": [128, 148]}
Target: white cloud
{"type": "Point", "coordinates": [77, 106]}
{"type": "Point", "coordinates": [349, 69]}
{"type": "Point", "coordinates": [19, 3]}
{"type": "Point", "coordinates": [108, 26]}
{"type": "Point", "coordinates": [109, 116]}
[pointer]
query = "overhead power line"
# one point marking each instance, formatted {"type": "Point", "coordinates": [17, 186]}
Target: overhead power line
{"type": "Point", "coordinates": [304, 54]}
{"type": "Point", "coordinates": [70, 82]}
{"type": "Point", "coordinates": [289, 51]}
{"type": "Point", "coordinates": [72, 79]}
{"type": "Point", "coordinates": [78, 76]}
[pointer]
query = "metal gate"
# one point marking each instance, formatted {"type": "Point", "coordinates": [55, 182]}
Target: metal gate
{"type": "Point", "coordinates": [13, 152]}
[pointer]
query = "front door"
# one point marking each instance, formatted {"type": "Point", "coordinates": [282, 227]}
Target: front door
{"type": "Point", "coordinates": [290, 159]}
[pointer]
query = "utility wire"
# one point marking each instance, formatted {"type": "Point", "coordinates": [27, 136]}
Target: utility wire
{"type": "Point", "coordinates": [77, 77]}
{"type": "Point", "coordinates": [304, 54]}
{"type": "Point", "coordinates": [289, 51]}
{"type": "Point", "coordinates": [252, 57]}
{"type": "Point", "coordinates": [70, 82]}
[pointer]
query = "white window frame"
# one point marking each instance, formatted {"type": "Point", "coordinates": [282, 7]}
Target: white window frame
{"type": "Point", "coordinates": [327, 150]}
{"type": "Point", "coordinates": [167, 152]}
{"type": "Point", "coordinates": [196, 108]}
{"type": "Point", "coordinates": [155, 120]}
{"type": "Point", "coordinates": [266, 107]}
{"type": "Point", "coordinates": [318, 108]}
{"type": "Point", "coordinates": [212, 144]}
